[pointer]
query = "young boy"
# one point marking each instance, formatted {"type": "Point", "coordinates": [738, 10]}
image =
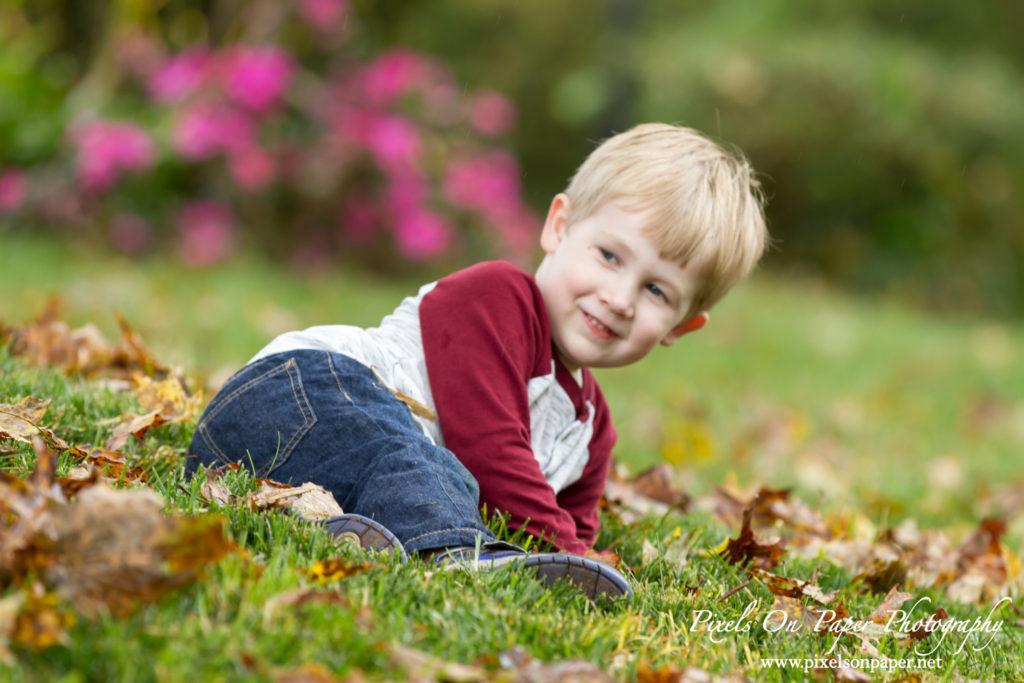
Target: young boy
{"type": "Point", "coordinates": [477, 391]}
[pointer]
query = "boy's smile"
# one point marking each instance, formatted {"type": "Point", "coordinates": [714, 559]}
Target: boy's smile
{"type": "Point", "coordinates": [610, 296]}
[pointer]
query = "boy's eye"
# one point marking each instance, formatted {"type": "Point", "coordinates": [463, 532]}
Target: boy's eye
{"type": "Point", "coordinates": [609, 256]}
{"type": "Point", "coordinates": [656, 290]}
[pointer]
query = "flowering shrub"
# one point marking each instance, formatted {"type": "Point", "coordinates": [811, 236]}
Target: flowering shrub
{"type": "Point", "coordinates": [285, 145]}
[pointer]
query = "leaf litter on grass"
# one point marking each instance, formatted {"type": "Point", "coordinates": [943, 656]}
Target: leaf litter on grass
{"type": "Point", "coordinates": [57, 562]}
{"type": "Point", "coordinates": [107, 550]}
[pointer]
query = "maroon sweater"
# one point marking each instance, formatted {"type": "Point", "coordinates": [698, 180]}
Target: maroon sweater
{"type": "Point", "coordinates": [509, 409]}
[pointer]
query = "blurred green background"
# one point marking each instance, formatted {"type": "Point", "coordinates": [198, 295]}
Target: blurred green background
{"type": "Point", "coordinates": [889, 134]}
{"type": "Point", "coordinates": [874, 359]}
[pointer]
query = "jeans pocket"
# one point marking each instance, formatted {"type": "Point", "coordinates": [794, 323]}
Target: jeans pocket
{"type": "Point", "coordinates": [260, 421]}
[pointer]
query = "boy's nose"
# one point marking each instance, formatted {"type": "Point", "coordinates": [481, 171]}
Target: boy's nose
{"type": "Point", "coordinates": [618, 298]}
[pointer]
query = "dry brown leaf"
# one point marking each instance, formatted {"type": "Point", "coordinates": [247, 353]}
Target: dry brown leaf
{"type": "Point", "coordinates": [745, 549]}
{"type": "Point", "coordinates": [111, 463]}
{"type": "Point", "coordinates": [215, 492]}
{"type": "Point", "coordinates": [525, 669]}
{"type": "Point", "coordinates": [19, 421]}
{"type": "Point", "coordinates": [882, 575]}
{"type": "Point", "coordinates": [309, 501]}
{"type": "Point", "coordinates": [607, 557]}
{"type": "Point", "coordinates": [848, 674]}
{"type": "Point", "coordinates": [793, 613]}
{"type": "Point", "coordinates": [168, 397]}
{"type": "Point", "coordinates": [110, 549]}
{"type": "Point", "coordinates": [417, 665]}
{"type": "Point", "coordinates": [657, 483]}
{"type": "Point", "coordinates": [890, 603]}
{"type": "Point", "coordinates": [10, 605]}
{"type": "Point", "coordinates": [333, 570]}
{"type": "Point", "coordinates": [133, 425]}
{"type": "Point", "coordinates": [26, 517]}
{"type": "Point", "coordinates": [793, 588]}
{"type": "Point", "coordinates": [117, 550]}
{"type": "Point", "coordinates": [77, 479]}
{"type": "Point", "coordinates": [49, 342]}
{"type": "Point", "coordinates": [41, 622]}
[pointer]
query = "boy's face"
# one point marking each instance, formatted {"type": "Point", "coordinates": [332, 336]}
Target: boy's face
{"type": "Point", "coordinates": [610, 296]}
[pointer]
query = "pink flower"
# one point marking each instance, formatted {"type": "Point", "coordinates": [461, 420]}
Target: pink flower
{"type": "Point", "coordinates": [359, 220]}
{"type": "Point", "coordinates": [324, 15]}
{"type": "Point", "coordinates": [488, 184]}
{"type": "Point", "coordinates": [256, 77]}
{"type": "Point", "coordinates": [407, 190]}
{"type": "Point", "coordinates": [205, 130]}
{"type": "Point", "coordinates": [107, 149]}
{"type": "Point", "coordinates": [392, 74]}
{"type": "Point", "coordinates": [179, 75]}
{"type": "Point", "coordinates": [251, 167]}
{"type": "Point", "coordinates": [421, 234]}
{"type": "Point", "coordinates": [394, 141]}
{"type": "Point", "coordinates": [207, 232]}
{"type": "Point", "coordinates": [492, 113]}
{"type": "Point", "coordinates": [12, 190]}
{"type": "Point", "coordinates": [130, 233]}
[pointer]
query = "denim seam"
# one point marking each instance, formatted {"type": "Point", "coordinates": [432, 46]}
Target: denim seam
{"type": "Point", "coordinates": [444, 531]}
{"type": "Point", "coordinates": [337, 380]}
{"type": "Point", "coordinates": [356, 404]}
{"type": "Point", "coordinates": [308, 417]}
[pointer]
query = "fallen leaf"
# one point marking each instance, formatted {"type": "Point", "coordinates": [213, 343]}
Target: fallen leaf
{"type": "Point", "coordinates": [745, 549]}
{"type": "Point", "coordinates": [657, 484]}
{"type": "Point", "coordinates": [309, 501]}
{"type": "Point", "coordinates": [793, 588]}
{"type": "Point", "coordinates": [605, 556]}
{"type": "Point", "coordinates": [882, 575]}
{"type": "Point", "coordinates": [111, 463]}
{"type": "Point", "coordinates": [18, 421]}
{"type": "Point", "coordinates": [41, 621]}
{"type": "Point", "coordinates": [215, 492]}
{"type": "Point", "coordinates": [117, 550]}
{"type": "Point", "coordinates": [529, 670]}
{"type": "Point", "coordinates": [648, 553]}
{"type": "Point", "coordinates": [849, 674]}
{"type": "Point", "coordinates": [324, 571]}
{"type": "Point", "coordinates": [689, 674]}
{"type": "Point", "coordinates": [77, 479]}
{"type": "Point", "coordinates": [133, 425]}
{"type": "Point", "coordinates": [890, 603]}
{"type": "Point", "coordinates": [48, 341]}
{"type": "Point", "coordinates": [417, 665]}
{"type": "Point", "coordinates": [168, 397]}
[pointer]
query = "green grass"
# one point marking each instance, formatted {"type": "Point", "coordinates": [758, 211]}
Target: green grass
{"type": "Point", "coordinates": [872, 412]}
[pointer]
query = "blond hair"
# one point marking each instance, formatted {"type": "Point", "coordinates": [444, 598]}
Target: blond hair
{"type": "Point", "coordinates": [705, 202]}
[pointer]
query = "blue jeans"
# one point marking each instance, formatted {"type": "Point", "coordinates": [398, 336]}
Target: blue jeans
{"type": "Point", "coordinates": [317, 416]}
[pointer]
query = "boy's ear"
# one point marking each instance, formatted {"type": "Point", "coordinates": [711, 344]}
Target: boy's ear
{"type": "Point", "coordinates": [690, 325]}
{"type": "Point", "coordinates": [556, 224]}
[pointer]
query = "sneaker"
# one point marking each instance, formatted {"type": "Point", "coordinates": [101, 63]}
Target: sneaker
{"type": "Point", "coordinates": [366, 533]}
{"type": "Point", "coordinates": [593, 578]}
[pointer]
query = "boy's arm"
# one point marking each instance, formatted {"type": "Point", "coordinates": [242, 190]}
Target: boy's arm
{"type": "Point", "coordinates": [483, 340]}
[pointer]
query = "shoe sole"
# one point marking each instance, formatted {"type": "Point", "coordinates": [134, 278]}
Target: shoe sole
{"type": "Point", "coordinates": [369, 534]}
{"type": "Point", "coordinates": [589, 576]}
